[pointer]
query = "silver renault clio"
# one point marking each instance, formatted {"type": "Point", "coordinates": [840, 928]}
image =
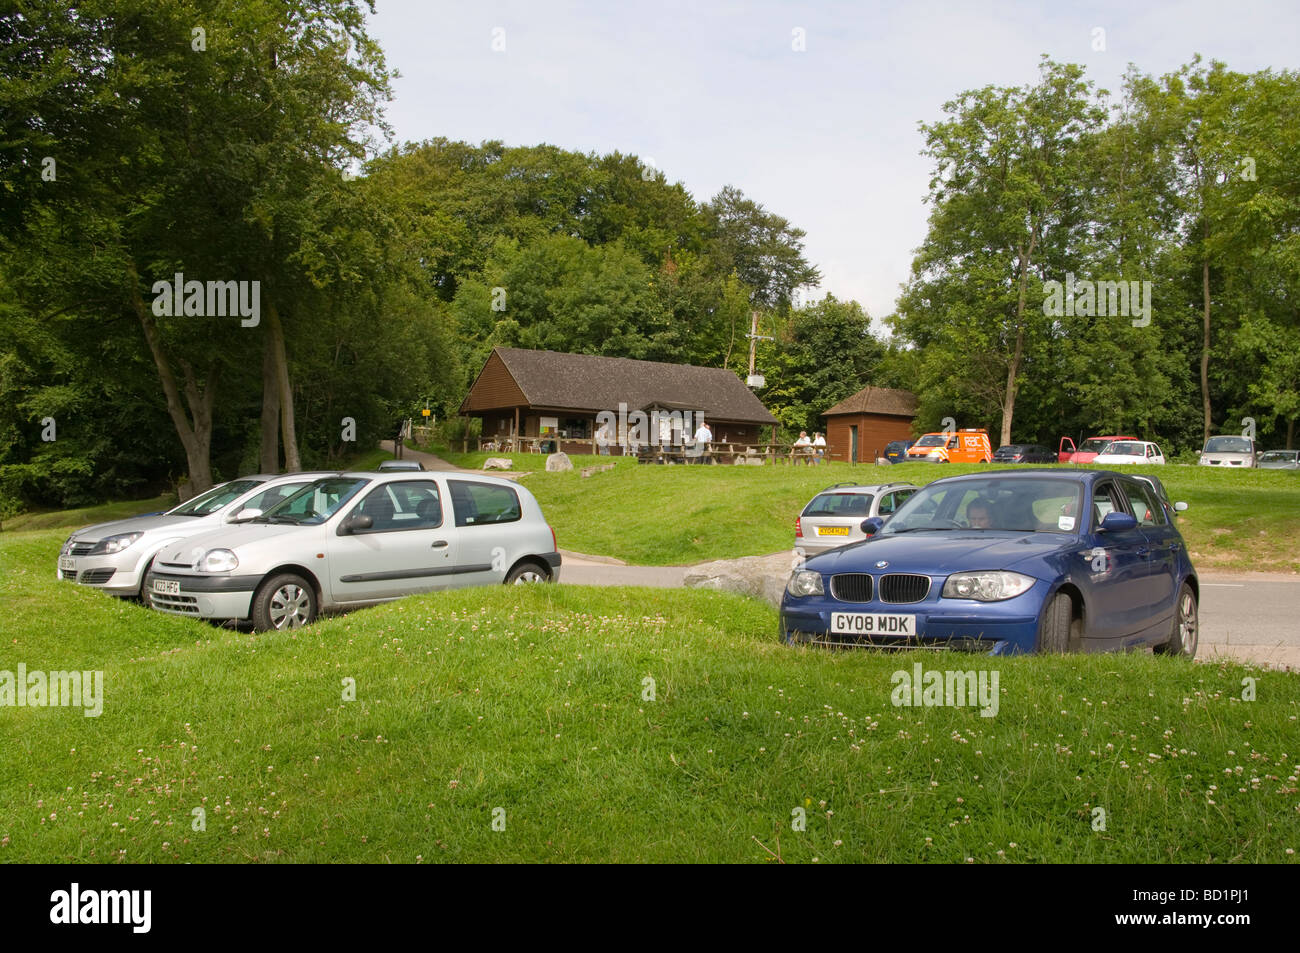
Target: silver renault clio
{"type": "Point", "coordinates": [355, 539]}
{"type": "Point", "coordinates": [116, 556]}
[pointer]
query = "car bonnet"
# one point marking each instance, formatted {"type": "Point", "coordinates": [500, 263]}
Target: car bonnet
{"type": "Point", "coordinates": [942, 552]}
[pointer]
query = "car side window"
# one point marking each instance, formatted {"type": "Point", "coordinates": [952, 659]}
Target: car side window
{"type": "Point", "coordinates": [1105, 500]}
{"type": "Point", "coordinates": [1155, 505]}
{"type": "Point", "coordinates": [1142, 509]}
{"type": "Point", "coordinates": [414, 504]}
{"type": "Point", "coordinates": [890, 502]}
{"type": "Point", "coordinates": [477, 504]}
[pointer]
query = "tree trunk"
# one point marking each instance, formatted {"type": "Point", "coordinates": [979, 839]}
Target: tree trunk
{"type": "Point", "coordinates": [270, 409]}
{"type": "Point", "coordinates": [292, 461]}
{"type": "Point", "coordinates": [1290, 434]}
{"type": "Point", "coordinates": [1013, 368]}
{"type": "Point", "coordinates": [194, 428]}
{"type": "Point", "coordinates": [1009, 401]}
{"type": "Point", "coordinates": [1205, 342]}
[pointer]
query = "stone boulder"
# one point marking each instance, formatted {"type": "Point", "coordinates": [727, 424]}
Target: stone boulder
{"type": "Point", "coordinates": [497, 463]}
{"type": "Point", "coordinates": [558, 462]}
{"type": "Point", "coordinates": [763, 577]}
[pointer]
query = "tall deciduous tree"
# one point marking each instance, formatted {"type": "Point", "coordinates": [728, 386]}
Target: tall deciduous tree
{"type": "Point", "coordinates": [1006, 196]}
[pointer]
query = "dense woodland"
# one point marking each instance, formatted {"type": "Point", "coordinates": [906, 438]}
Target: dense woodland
{"type": "Point", "coordinates": [133, 148]}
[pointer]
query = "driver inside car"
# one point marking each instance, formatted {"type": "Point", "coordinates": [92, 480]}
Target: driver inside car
{"type": "Point", "coordinates": [979, 515]}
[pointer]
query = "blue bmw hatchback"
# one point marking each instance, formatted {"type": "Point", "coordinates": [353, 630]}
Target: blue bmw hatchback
{"type": "Point", "coordinates": [1019, 561]}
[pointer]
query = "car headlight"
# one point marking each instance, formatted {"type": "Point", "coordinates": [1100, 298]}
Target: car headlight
{"type": "Point", "coordinates": [805, 582]}
{"type": "Point", "coordinates": [986, 586]}
{"type": "Point", "coordinates": [67, 545]}
{"type": "Point", "coordinates": [114, 544]}
{"type": "Point", "coordinates": [217, 560]}
{"type": "Point", "coordinates": [1205, 461]}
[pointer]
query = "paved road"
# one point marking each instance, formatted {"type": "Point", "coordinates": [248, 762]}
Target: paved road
{"type": "Point", "coordinates": [1248, 616]}
{"type": "Point", "coordinates": [1252, 616]}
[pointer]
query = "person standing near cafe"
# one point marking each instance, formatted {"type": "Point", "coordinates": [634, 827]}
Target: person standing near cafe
{"type": "Point", "coordinates": [703, 437]}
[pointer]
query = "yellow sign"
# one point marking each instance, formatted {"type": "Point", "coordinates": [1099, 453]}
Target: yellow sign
{"type": "Point", "coordinates": [425, 412]}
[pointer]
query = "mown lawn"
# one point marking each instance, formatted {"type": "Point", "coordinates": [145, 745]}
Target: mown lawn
{"type": "Point", "coordinates": [679, 515]}
{"type": "Point", "coordinates": [534, 700]}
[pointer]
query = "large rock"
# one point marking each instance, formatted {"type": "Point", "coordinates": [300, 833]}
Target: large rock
{"type": "Point", "coordinates": [558, 462]}
{"type": "Point", "coordinates": [763, 577]}
{"type": "Point", "coordinates": [497, 463]}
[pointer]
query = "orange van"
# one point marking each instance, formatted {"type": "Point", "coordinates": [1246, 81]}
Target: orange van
{"type": "Point", "coordinates": [962, 446]}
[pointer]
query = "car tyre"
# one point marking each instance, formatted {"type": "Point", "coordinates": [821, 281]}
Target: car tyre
{"type": "Point", "coordinates": [1057, 626]}
{"type": "Point", "coordinates": [527, 572]}
{"type": "Point", "coordinates": [1184, 638]}
{"type": "Point", "coordinates": [146, 597]}
{"type": "Point", "coordinates": [285, 601]}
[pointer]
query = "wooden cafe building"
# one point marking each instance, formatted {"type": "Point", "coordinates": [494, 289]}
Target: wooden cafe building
{"type": "Point", "coordinates": [547, 400]}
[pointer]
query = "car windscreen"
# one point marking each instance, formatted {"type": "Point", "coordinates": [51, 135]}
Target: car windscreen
{"type": "Point", "coordinates": [1035, 506]}
{"type": "Point", "coordinates": [1093, 445]}
{"type": "Point", "coordinates": [314, 503]}
{"type": "Point", "coordinates": [1228, 445]}
{"type": "Point", "coordinates": [1126, 448]}
{"type": "Point", "coordinates": [1279, 456]}
{"type": "Point", "coordinates": [215, 498]}
{"type": "Point", "coordinates": [839, 504]}
{"type": "Point", "coordinates": [931, 440]}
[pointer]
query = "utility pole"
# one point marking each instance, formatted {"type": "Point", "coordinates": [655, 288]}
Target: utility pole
{"type": "Point", "coordinates": [754, 380]}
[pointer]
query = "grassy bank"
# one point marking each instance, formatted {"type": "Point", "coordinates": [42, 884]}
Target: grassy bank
{"type": "Point", "coordinates": [678, 515]}
{"type": "Point", "coordinates": [535, 700]}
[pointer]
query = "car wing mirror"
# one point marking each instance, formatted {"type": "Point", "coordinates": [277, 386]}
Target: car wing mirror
{"type": "Point", "coordinates": [871, 526]}
{"type": "Point", "coordinates": [1180, 507]}
{"type": "Point", "coordinates": [1117, 523]}
{"type": "Point", "coordinates": [246, 514]}
{"type": "Point", "coordinates": [357, 523]}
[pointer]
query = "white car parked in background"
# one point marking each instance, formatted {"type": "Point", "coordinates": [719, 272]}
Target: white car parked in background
{"type": "Point", "coordinates": [1129, 451]}
{"type": "Point", "coordinates": [355, 539]}
{"type": "Point", "coordinates": [1229, 452]}
{"type": "Point", "coordinates": [116, 556]}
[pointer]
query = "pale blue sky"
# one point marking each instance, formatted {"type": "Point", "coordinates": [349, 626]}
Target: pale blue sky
{"type": "Point", "coordinates": [715, 94]}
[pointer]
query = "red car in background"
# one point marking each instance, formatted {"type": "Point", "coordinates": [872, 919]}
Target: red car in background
{"type": "Point", "coordinates": [1086, 451]}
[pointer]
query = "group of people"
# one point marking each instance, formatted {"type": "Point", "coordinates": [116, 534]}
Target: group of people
{"type": "Point", "coordinates": [805, 449]}
{"type": "Point", "coordinates": [809, 451]}
{"type": "Point", "coordinates": [605, 437]}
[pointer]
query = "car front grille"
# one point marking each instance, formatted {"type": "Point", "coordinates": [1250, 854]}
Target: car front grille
{"type": "Point", "coordinates": [95, 577]}
{"type": "Point", "coordinates": [81, 549]}
{"type": "Point", "coordinates": [851, 587]}
{"type": "Point", "coordinates": [903, 642]}
{"type": "Point", "coordinates": [182, 605]}
{"type": "Point", "coordinates": [900, 588]}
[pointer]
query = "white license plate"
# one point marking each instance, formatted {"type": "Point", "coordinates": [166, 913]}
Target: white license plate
{"type": "Point", "coordinates": [167, 587]}
{"type": "Point", "coordinates": [873, 623]}
{"type": "Point", "coordinates": [67, 564]}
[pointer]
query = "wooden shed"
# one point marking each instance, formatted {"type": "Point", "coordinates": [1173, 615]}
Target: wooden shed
{"type": "Point", "coordinates": [858, 427]}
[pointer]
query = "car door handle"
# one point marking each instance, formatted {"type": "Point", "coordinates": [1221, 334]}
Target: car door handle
{"type": "Point", "coordinates": [439, 543]}
{"type": "Point", "coordinates": [1142, 551]}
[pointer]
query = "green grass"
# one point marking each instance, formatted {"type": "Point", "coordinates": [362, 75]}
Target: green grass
{"type": "Point", "coordinates": [530, 699]}
{"type": "Point", "coordinates": [679, 515]}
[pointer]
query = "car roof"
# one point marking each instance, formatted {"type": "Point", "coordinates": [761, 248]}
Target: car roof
{"type": "Point", "coordinates": [860, 487]}
{"type": "Point", "coordinates": [1078, 475]}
